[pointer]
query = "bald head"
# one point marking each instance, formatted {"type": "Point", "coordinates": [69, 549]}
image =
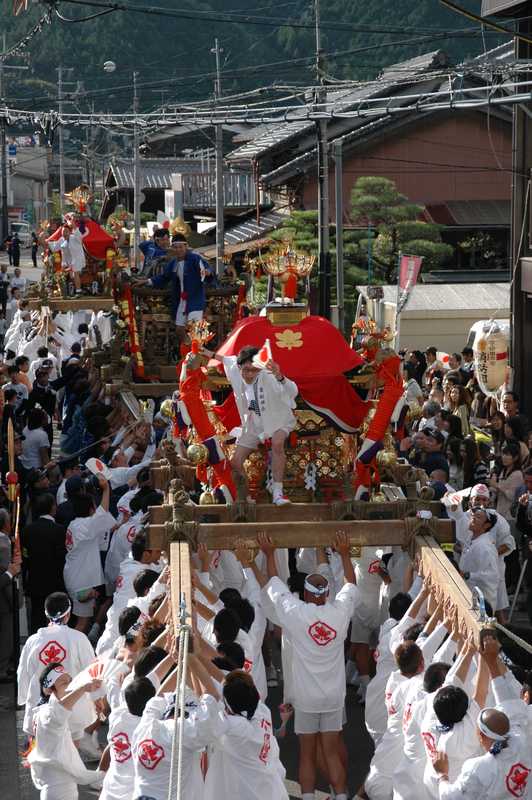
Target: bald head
{"type": "Point", "coordinates": [493, 726]}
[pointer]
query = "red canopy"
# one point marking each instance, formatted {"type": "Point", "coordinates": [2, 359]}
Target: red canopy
{"type": "Point", "coordinates": [314, 355]}
{"type": "Point", "coordinates": [312, 348]}
{"type": "Point", "coordinates": [96, 242]}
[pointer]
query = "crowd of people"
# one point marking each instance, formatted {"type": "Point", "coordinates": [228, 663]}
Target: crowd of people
{"type": "Point", "coordinates": [477, 446]}
{"type": "Point", "coordinates": [449, 717]}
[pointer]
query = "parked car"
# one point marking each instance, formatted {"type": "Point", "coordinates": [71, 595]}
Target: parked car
{"type": "Point", "coordinates": [24, 232]}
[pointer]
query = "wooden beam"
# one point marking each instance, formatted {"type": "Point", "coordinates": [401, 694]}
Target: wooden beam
{"type": "Point", "coordinates": [151, 389]}
{"type": "Point", "coordinates": [435, 563]}
{"type": "Point", "coordinates": [91, 302]}
{"type": "Point", "coordinates": [370, 533]}
{"type": "Point", "coordinates": [294, 512]}
{"type": "Point", "coordinates": [180, 581]}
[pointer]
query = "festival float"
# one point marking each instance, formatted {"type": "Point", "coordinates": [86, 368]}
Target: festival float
{"type": "Point", "coordinates": [347, 399]}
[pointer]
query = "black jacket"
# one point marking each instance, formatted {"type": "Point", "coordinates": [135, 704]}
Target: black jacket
{"type": "Point", "coordinates": [6, 594]}
{"type": "Point", "coordinates": [44, 545]}
{"type": "Point", "coordinates": [43, 397]}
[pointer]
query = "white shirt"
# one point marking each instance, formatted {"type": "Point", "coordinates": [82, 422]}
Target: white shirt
{"type": "Point", "coordinates": [120, 476]}
{"type": "Point", "coordinates": [481, 560]}
{"type": "Point", "coordinates": [388, 752]}
{"type": "Point", "coordinates": [124, 591]}
{"type": "Point", "coordinates": [34, 441]}
{"type": "Point", "coordinates": [18, 283]}
{"type": "Point", "coordinates": [120, 777]}
{"type": "Point", "coordinates": [152, 750]}
{"type": "Point", "coordinates": [460, 743]}
{"type": "Point", "coordinates": [243, 754]}
{"type": "Point", "coordinates": [120, 547]}
{"type": "Point", "coordinates": [276, 399]}
{"type": "Point", "coordinates": [317, 634]}
{"type": "Point", "coordinates": [71, 250]}
{"type": "Point", "coordinates": [61, 492]}
{"type": "Point", "coordinates": [38, 362]}
{"type": "Point", "coordinates": [408, 776]}
{"type": "Point", "coordinates": [54, 644]}
{"type": "Point", "coordinates": [54, 759]}
{"type": "Point", "coordinates": [505, 776]}
{"type": "Point", "coordinates": [375, 709]}
{"type": "Point", "coordinates": [83, 566]}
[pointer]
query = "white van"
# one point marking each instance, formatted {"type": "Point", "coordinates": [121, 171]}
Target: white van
{"type": "Point", "coordinates": [22, 229]}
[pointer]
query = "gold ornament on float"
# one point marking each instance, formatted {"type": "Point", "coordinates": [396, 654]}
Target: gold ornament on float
{"type": "Point", "coordinates": [206, 498]}
{"type": "Point", "coordinates": [166, 409]}
{"type": "Point", "coordinates": [197, 454]}
{"type": "Point", "coordinates": [414, 411]}
{"type": "Point", "coordinates": [80, 197]}
{"type": "Point", "coordinates": [386, 458]}
{"type": "Point", "coordinates": [178, 225]}
{"type": "Point", "coordinates": [378, 497]}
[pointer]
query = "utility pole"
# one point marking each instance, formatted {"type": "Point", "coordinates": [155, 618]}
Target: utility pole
{"type": "Point", "coordinates": [136, 171]}
{"type": "Point", "coordinates": [220, 228]}
{"type": "Point", "coordinates": [324, 257]}
{"type": "Point", "coordinates": [339, 215]}
{"type": "Point", "coordinates": [521, 232]}
{"type": "Point", "coordinates": [4, 218]}
{"type": "Point", "coordinates": [4, 204]}
{"type": "Point", "coordinates": [61, 140]}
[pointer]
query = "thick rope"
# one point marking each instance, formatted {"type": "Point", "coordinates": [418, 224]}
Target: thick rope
{"type": "Point", "coordinates": [513, 636]}
{"type": "Point", "coordinates": [176, 760]}
{"type": "Point", "coordinates": [183, 639]}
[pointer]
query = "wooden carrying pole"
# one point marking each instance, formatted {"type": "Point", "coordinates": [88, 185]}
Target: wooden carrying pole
{"type": "Point", "coordinates": [362, 533]}
{"type": "Point", "coordinates": [180, 580]}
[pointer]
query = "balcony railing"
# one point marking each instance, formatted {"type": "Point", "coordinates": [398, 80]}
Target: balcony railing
{"type": "Point", "coordinates": [199, 190]}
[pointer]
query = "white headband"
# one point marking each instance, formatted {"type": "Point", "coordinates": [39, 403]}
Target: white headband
{"type": "Point", "coordinates": [135, 628]}
{"type": "Point", "coordinates": [317, 590]}
{"type": "Point", "coordinates": [56, 617]}
{"type": "Point", "coordinates": [483, 728]}
{"type": "Point", "coordinates": [53, 676]}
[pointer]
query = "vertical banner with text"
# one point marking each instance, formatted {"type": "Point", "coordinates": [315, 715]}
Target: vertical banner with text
{"type": "Point", "coordinates": [409, 269]}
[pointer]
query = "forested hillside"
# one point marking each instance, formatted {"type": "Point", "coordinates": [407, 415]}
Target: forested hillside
{"type": "Point", "coordinates": [174, 59]}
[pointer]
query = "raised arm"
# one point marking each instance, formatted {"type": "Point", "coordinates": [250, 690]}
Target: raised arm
{"type": "Point", "coordinates": [343, 548]}
{"type": "Point", "coordinates": [268, 548]}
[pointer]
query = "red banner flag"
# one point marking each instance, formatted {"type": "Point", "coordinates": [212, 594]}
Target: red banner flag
{"type": "Point", "coordinates": [409, 269]}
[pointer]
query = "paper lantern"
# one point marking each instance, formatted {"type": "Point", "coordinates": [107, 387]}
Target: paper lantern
{"type": "Point", "coordinates": [490, 350]}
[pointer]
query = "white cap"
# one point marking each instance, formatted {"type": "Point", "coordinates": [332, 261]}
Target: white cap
{"type": "Point", "coordinates": [480, 490]}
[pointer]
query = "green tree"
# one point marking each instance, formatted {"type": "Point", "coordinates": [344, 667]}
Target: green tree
{"type": "Point", "coordinates": [377, 205]}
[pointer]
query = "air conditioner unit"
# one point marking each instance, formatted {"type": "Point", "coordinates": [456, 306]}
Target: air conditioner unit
{"type": "Point", "coordinates": [509, 8]}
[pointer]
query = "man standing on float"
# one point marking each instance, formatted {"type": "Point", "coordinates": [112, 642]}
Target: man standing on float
{"type": "Point", "coordinates": [185, 273]}
{"type": "Point", "coordinates": [265, 399]}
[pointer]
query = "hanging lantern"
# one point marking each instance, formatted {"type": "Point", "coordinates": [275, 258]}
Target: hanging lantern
{"type": "Point", "coordinates": [490, 350]}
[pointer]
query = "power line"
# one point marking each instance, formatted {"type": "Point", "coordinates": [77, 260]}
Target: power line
{"type": "Point", "coordinates": [22, 44]}
{"type": "Point", "coordinates": [290, 63]}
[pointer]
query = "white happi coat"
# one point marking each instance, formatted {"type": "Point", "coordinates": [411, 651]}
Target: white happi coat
{"type": "Point", "coordinates": [276, 400]}
{"type": "Point", "coordinates": [61, 645]}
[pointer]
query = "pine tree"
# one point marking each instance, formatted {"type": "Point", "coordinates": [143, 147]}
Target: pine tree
{"type": "Point", "coordinates": [376, 205]}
